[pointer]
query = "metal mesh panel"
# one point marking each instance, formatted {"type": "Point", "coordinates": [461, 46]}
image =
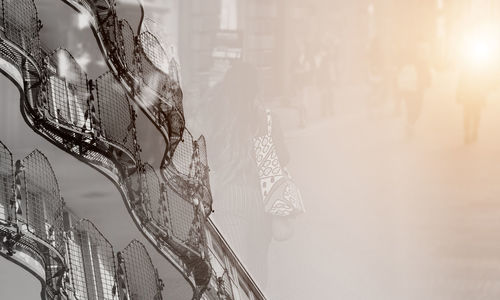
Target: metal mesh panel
{"type": "Point", "coordinates": [142, 278]}
{"type": "Point", "coordinates": [154, 51]}
{"type": "Point", "coordinates": [156, 203]}
{"type": "Point", "coordinates": [91, 263]}
{"type": "Point", "coordinates": [188, 171]}
{"type": "Point", "coordinates": [224, 288]}
{"type": "Point", "coordinates": [202, 147]}
{"type": "Point", "coordinates": [138, 197]}
{"type": "Point", "coordinates": [128, 46]}
{"type": "Point", "coordinates": [115, 112]}
{"type": "Point", "coordinates": [184, 223]}
{"type": "Point", "coordinates": [44, 207]}
{"type": "Point", "coordinates": [202, 174]}
{"type": "Point", "coordinates": [158, 31]}
{"type": "Point", "coordinates": [21, 25]}
{"type": "Point", "coordinates": [176, 128]}
{"type": "Point", "coordinates": [68, 92]}
{"type": "Point", "coordinates": [159, 71]}
{"type": "Point", "coordinates": [182, 159]}
{"type": "Point", "coordinates": [6, 181]}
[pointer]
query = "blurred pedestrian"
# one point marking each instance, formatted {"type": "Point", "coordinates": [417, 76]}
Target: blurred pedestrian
{"type": "Point", "coordinates": [471, 94]}
{"type": "Point", "coordinates": [239, 210]}
{"type": "Point", "coordinates": [414, 78]}
{"type": "Point", "coordinates": [326, 76]}
{"type": "Point", "coordinates": [302, 70]}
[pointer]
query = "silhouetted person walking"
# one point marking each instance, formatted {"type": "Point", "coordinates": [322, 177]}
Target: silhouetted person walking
{"type": "Point", "coordinates": [471, 93]}
{"type": "Point", "coordinates": [414, 78]}
{"type": "Point", "coordinates": [239, 211]}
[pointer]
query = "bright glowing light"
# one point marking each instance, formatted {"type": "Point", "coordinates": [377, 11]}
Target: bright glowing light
{"type": "Point", "coordinates": [481, 49]}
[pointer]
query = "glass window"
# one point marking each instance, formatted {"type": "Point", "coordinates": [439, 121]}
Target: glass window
{"type": "Point", "coordinates": [229, 15]}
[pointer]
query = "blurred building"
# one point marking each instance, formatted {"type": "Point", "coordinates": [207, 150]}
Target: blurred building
{"type": "Point", "coordinates": [213, 33]}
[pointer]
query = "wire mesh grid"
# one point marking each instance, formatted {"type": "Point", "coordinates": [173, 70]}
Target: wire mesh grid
{"type": "Point", "coordinates": [141, 274]}
{"type": "Point", "coordinates": [162, 56]}
{"type": "Point", "coordinates": [127, 38]}
{"type": "Point", "coordinates": [91, 263]}
{"type": "Point", "coordinates": [182, 158]}
{"type": "Point", "coordinates": [176, 128]}
{"type": "Point", "coordinates": [158, 31]}
{"type": "Point", "coordinates": [21, 25]}
{"type": "Point", "coordinates": [202, 174]}
{"type": "Point", "coordinates": [69, 98]}
{"type": "Point", "coordinates": [157, 204]}
{"type": "Point", "coordinates": [184, 223]}
{"type": "Point", "coordinates": [188, 171]}
{"type": "Point", "coordinates": [154, 52]}
{"type": "Point", "coordinates": [115, 112]}
{"type": "Point", "coordinates": [224, 282]}
{"type": "Point", "coordinates": [6, 182]}
{"type": "Point", "coordinates": [157, 72]}
{"type": "Point", "coordinates": [43, 204]}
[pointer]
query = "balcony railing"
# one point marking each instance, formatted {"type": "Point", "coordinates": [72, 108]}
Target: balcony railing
{"type": "Point", "coordinates": [73, 258]}
{"type": "Point", "coordinates": [94, 120]}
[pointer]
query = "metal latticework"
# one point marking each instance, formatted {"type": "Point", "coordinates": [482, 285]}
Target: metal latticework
{"type": "Point", "coordinates": [6, 182]}
{"type": "Point", "coordinates": [162, 56]}
{"type": "Point", "coordinates": [115, 112]}
{"type": "Point", "coordinates": [154, 51]}
{"type": "Point", "coordinates": [159, 70]}
{"type": "Point", "coordinates": [182, 158]}
{"type": "Point", "coordinates": [21, 25]}
{"type": "Point", "coordinates": [43, 207]}
{"type": "Point", "coordinates": [156, 201]}
{"type": "Point", "coordinates": [188, 171]}
{"type": "Point", "coordinates": [184, 223]}
{"type": "Point", "coordinates": [128, 46]}
{"type": "Point", "coordinates": [68, 93]}
{"type": "Point", "coordinates": [225, 290]}
{"type": "Point", "coordinates": [91, 263]}
{"type": "Point", "coordinates": [202, 174]}
{"type": "Point", "coordinates": [142, 277]}
{"type": "Point", "coordinates": [106, 15]}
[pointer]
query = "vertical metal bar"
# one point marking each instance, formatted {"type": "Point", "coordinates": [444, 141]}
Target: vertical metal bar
{"type": "Point", "coordinates": [26, 200]}
{"type": "Point", "coordinates": [68, 106]}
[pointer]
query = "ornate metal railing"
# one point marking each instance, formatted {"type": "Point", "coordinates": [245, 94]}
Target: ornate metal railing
{"type": "Point", "coordinates": [91, 263]}
{"type": "Point", "coordinates": [94, 120]}
{"type": "Point", "coordinates": [72, 260]}
{"type": "Point", "coordinates": [142, 278]}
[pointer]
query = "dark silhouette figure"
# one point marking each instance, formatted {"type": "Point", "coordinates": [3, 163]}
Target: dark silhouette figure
{"type": "Point", "coordinates": [239, 210]}
{"type": "Point", "coordinates": [471, 93]}
{"type": "Point", "coordinates": [414, 78]}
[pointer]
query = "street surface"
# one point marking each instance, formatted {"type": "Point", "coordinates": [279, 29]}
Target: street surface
{"type": "Point", "coordinates": [391, 217]}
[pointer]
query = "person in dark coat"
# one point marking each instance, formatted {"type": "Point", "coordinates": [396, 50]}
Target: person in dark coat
{"type": "Point", "coordinates": [236, 119]}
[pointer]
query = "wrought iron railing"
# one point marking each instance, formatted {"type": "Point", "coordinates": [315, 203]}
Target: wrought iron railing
{"type": "Point", "coordinates": [94, 120]}
{"type": "Point", "coordinates": [91, 263]}
{"type": "Point", "coordinates": [73, 259]}
{"type": "Point", "coordinates": [142, 277]}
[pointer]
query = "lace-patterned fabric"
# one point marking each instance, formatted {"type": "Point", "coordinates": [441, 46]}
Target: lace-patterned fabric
{"type": "Point", "coordinates": [280, 194]}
